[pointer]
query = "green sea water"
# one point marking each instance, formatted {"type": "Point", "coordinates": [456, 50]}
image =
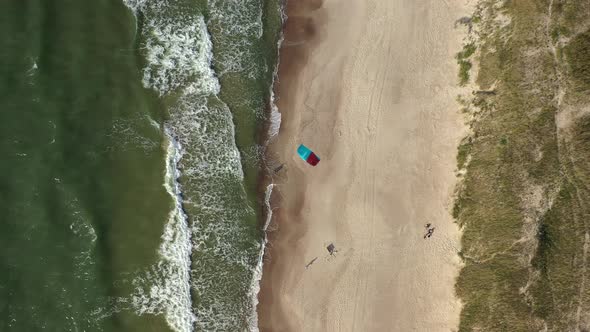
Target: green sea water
{"type": "Point", "coordinates": [81, 198]}
{"type": "Point", "coordinates": [129, 134]}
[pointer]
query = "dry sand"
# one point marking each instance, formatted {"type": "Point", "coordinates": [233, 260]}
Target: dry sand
{"type": "Point", "coordinates": [370, 86]}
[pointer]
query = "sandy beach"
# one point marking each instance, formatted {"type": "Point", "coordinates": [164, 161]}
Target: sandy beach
{"type": "Point", "coordinates": [371, 87]}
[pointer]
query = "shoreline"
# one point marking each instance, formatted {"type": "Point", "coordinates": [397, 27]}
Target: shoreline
{"type": "Point", "coordinates": [269, 129]}
{"type": "Point", "coordinates": [285, 68]}
{"type": "Point", "coordinates": [322, 52]}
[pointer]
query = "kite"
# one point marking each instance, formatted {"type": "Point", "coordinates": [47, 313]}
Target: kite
{"type": "Point", "coordinates": [306, 154]}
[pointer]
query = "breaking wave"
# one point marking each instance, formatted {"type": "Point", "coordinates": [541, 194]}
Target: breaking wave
{"type": "Point", "coordinates": [168, 283]}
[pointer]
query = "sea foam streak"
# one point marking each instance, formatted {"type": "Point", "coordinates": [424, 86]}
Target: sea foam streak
{"type": "Point", "coordinates": [175, 250]}
{"type": "Point", "coordinates": [275, 115]}
{"type": "Point", "coordinates": [234, 20]}
{"type": "Point", "coordinates": [255, 287]}
{"type": "Point", "coordinates": [168, 291]}
{"type": "Point", "coordinates": [177, 51]}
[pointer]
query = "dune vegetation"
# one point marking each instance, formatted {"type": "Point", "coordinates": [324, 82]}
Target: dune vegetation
{"type": "Point", "coordinates": [524, 197]}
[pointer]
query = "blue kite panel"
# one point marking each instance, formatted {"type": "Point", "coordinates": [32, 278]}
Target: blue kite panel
{"type": "Point", "coordinates": [303, 152]}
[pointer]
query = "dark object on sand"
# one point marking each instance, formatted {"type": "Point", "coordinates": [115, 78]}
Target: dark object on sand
{"type": "Point", "coordinates": [331, 249]}
{"type": "Point", "coordinates": [311, 262]}
{"type": "Point", "coordinates": [466, 21]}
{"type": "Point", "coordinates": [485, 92]}
{"type": "Point", "coordinates": [429, 232]}
{"type": "Point", "coordinates": [276, 170]}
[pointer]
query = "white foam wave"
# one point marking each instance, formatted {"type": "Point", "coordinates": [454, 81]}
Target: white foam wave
{"type": "Point", "coordinates": [135, 5]}
{"type": "Point", "coordinates": [83, 228]}
{"type": "Point", "coordinates": [168, 292]}
{"type": "Point", "coordinates": [233, 20]}
{"type": "Point", "coordinates": [178, 52]}
{"type": "Point", "coordinates": [209, 132]}
{"type": "Point", "coordinates": [255, 287]}
{"type": "Point", "coordinates": [211, 164]}
{"type": "Point", "coordinates": [176, 248]}
{"type": "Point", "coordinates": [275, 117]}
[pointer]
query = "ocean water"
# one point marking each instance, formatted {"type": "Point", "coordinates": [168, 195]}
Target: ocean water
{"type": "Point", "coordinates": [131, 141]}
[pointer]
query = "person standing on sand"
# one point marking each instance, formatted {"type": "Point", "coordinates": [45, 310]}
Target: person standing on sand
{"type": "Point", "coordinates": [429, 231]}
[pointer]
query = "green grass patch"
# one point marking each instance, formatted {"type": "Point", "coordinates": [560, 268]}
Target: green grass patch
{"type": "Point", "coordinates": [464, 64]}
{"type": "Point", "coordinates": [467, 51]}
{"type": "Point", "coordinates": [464, 68]}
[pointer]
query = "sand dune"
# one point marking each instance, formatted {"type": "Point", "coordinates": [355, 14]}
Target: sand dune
{"type": "Point", "coordinates": [370, 86]}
